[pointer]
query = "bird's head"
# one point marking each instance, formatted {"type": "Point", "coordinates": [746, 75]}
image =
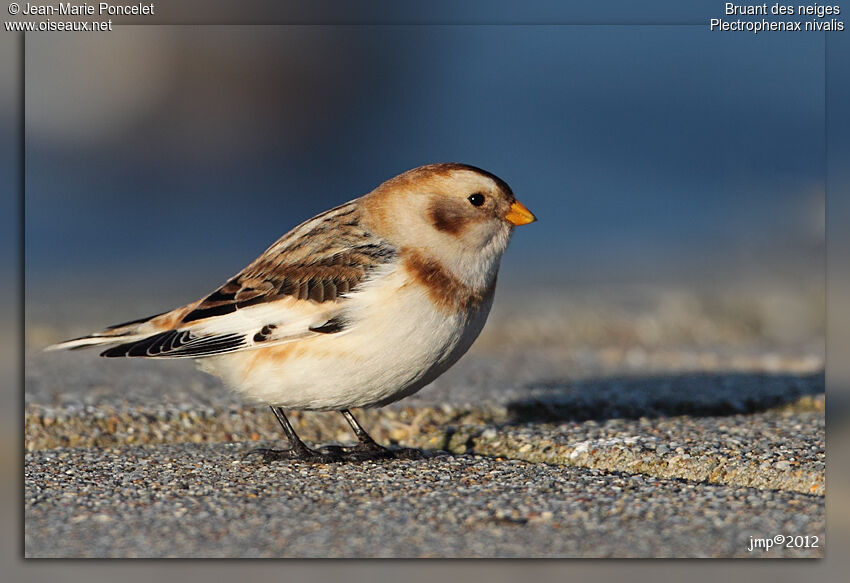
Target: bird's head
{"type": "Point", "coordinates": [457, 214]}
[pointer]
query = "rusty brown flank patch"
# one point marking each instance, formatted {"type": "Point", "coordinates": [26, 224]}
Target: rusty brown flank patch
{"type": "Point", "coordinates": [444, 289]}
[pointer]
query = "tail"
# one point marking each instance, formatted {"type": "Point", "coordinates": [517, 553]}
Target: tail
{"type": "Point", "coordinates": [126, 332]}
{"type": "Point", "coordinates": [162, 336]}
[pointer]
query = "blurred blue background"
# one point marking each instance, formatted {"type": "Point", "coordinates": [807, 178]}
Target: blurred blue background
{"type": "Point", "coordinates": [650, 153]}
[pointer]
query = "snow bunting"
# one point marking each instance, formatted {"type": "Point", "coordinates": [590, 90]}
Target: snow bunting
{"type": "Point", "coordinates": [359, 306]}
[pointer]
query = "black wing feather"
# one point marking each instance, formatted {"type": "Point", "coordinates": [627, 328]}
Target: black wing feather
{"type": "Point", "coordinates": [177, 344]}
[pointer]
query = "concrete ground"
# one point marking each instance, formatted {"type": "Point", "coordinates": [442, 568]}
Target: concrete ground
{"type": "Point", "coordinates": [661, 426]}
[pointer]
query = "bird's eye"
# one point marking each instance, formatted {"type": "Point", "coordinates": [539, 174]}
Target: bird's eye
{"type": "Point", "coordinates": [476, 199]}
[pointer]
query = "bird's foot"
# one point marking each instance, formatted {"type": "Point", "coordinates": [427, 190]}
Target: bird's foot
{"type": "Point", "coordinates": [366, 451]}
{"type": "Point", "coordinates": [408, 453]}
{"type": "Point", "coordinates": [336, 453]}
{"type": "Point", "coordinates": [298, 454]}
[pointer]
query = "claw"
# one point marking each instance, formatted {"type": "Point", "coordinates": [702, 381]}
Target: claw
{"type": "Point", "coordinates": [256, 451]}
{"type": "Point", "coordinates": [305, 455]}
{"type": "Point", "coordinates": [337, 454]}
{"type": "Point", "coordinates": [409, 453]}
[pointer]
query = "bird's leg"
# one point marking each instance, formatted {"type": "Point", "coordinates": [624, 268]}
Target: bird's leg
{"type": "Point", "coordinates": [367, 444]}
{"type": "Point", "coordinates": [369, 448]}
{"type": "Point", "coordinates": [297, 449]}
{"type": "Point", "coordinates": [296, 446]}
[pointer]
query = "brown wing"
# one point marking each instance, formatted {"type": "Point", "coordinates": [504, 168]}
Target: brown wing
{"type": "Point", "coordinates": [318, 261]}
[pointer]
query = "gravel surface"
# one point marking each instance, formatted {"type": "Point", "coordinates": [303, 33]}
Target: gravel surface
{"type": "Point", "coordinates": [205, 501]}
{"type": "Point", "coordinates": [773, 450]}
{"type": "Point", "coordinates": [778, 449]}
{"type": "Point", "coordinates": [647, 423]}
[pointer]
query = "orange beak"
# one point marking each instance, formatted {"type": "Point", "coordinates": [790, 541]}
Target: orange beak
{"type": "Point", "coordinates": [519, 215]}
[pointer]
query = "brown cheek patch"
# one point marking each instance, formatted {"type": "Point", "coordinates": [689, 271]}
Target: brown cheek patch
{"type": "Point", "coordinates": [447, 219]}
{"type": "Point", "coordinates": [444, 289]}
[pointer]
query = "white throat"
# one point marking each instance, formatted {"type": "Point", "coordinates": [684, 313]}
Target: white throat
{"type": "Point", "coordinates": [478, 268]}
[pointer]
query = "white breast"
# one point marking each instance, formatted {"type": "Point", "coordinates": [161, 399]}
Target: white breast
{"type": "Point", "coordinates": [399, 342]}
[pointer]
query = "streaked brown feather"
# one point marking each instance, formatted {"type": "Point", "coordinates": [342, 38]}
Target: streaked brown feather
{"type": "Point", "coordinates": [319, 260]}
